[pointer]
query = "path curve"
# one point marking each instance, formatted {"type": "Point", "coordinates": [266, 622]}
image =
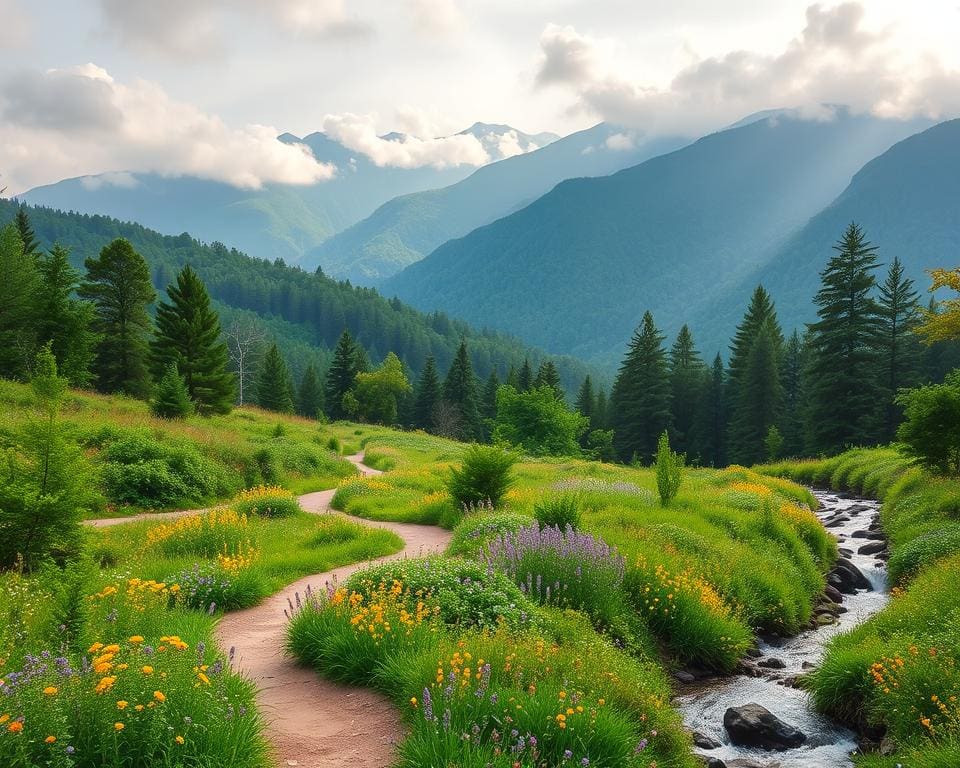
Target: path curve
{"type": "Point", "coordinates": [313, 722]}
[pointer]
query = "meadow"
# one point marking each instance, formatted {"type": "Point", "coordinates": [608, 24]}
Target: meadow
{"type": "Point", "coordinates": [897, 672]}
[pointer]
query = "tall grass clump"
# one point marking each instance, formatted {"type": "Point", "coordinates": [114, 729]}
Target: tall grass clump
{"type": "Point", "coordinates": [266, 501]}
{"type": "Point", "coordinates": [561, 511]}
{"type": "Point", "coordinates": [668, 469]}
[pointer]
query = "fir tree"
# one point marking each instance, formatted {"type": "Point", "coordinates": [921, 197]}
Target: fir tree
{"type": "Point", "coordinates": [64, 321]}
{"type": "Point", "coordinates": [488, 402]}
{"type": "Point", "coordinates": [188, 335]}
{"type": "Point", "coordinates": [601, 417]}
{"type": "Point", "coordinates": [273, 382]}
{"type": "Point", "coordinates": [792, 376]}
{"type": "Point", "coordinates": [640, 402]}
{"type": "Point", "coordinates": [686, 381]}
{"type": "Point", "coordinates": [586, 402]}
{"type": "Point", "coordinates": [898, 349]}
{"type": "Point", "coordinates": [118, 284]}
{"type": "Point", "coordinates": [19, 294]}
{"type": "Point", "coordinates": [427, 395]}
{"type": "Point", "coordinates": [525, 377]}
{"type": "Point", "coordinates": [460, 390]}
{"type": "Point", "coordinates": [513, 378]}
{"type": "Point", "coordinates": [759, 399]}
{"type": "Point", "coordinates": [310, 394]}
{"type": "Point", "coordinates": [171, 398]}
{"type": "Point", "coordinates": [744, 414]}
{"type": "Point", "coordinates": [549, 376]}
{"type": "Point", "coordinates": [713, 415]}
{"type": "Point", "coordinates": [22, 222]}
{"type": "Point", "coordinates": [347, 359]}
{"type": "Point", "coordinates": [843, 390]}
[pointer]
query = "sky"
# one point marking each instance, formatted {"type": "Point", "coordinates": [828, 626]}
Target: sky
{"type": "Point", "coordinates": [203, 87]}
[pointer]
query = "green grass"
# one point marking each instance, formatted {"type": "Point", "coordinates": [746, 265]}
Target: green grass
{"type": "Point", "coordinates": [898, 670]}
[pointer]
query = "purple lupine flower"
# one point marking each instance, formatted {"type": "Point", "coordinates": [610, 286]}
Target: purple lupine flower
{"type": "Point", "coordinates": [428, 705]}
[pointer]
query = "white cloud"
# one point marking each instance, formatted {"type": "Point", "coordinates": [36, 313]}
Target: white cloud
{"type": "Point", "coordinates": [119, 179]}
{"type": "Point", "coordinates": [508, 144]}
{"type": "Point", "coordinates": [81, 121]}
{"type": "Point", "coordinates": [836, 59]}
{"type": "Point", "coordinates": [620, 142]}
{"type": "Point", "coordinates": [436, 17]}
{"type": "Point", "coordinates": [358, 132]}
{"type": "Point", "coordinates": [15, 26]}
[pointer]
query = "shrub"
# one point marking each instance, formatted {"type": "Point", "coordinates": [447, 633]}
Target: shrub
{"type": "Point", "coordinates": [563, 568]}
{"type": "Point", "coordinates": [669, 470]}
{"type": "Point", "coordinates": [222, 585]}
{"type": "Point", "coordinates": [473, 532]}
{"type": "Point", "coordinates": [485, 474]}
{"type": "Point", "coordinates": [466, 593]}
{"type": "Point", "coordinates": [910, 557]}
{"type": "Point", "coordinates": [266, 501]}
{"type": "Point", "coordinates": [559, 512]}
{"type": "Point", "coordinates": [204, 535]}
{"type": "Point", "coordinates": [931, 428]}
{"type": "Point", "coordinates": [171, 399]}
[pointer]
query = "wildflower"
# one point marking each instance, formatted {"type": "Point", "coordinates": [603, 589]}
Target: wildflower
{"type": "Point", "coordinates": [3, 718]}
{"type": "Point", "coordinates": [50, 691]}
{"type": "Point", "coordinates": [147, 669]}
{"type": "Point", "coordinates": [50, 740]}
{"type": "Point", "coordinates": [95, 647]}
{"type": "Point", "coordinates": [118, 726]}
{"type": "Point", "coordinates": [158, 695]}
{"type": "Point", "coordinates": [105, 684]}
{"type": "Point", "coordinates": [139, 707]}
{"type": "Point", "coordinates": [15, 727]}
{"type": "Point", "coordinates": [136, 639]}
{"type": "Point", "coordinates": [178, 739]}
{"type": "Point", "coordinates": [121, 705]}
{"type": "Point", "coordinates": [413, 702]}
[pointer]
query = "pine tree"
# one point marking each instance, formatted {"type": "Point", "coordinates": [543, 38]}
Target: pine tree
{"type": "Point", "coordinates": [843, 390]}
{"type": "Point", "coordinates": [310, 394]}
{"type": "Point", "coordinates": [427, 395]}
{"type": "Point", "coordinates": [22, 222]}
{"type": "Point", "coordinates": [686, 381]}
{"type": "Point", "coordinates": [460, 390]}
{"type": "Point", "coordinates": [898, 348]}
{"type": "Point", "coordinates": [759, 399]}
{"type": "Point", "coordinates": [273, 383]}
{"type": "Point", "coordinates": [513, 378]}
{"type": "Point", "coordinates": [601, 417]}
{"type": "Point", "coordinates": [64, 321]}
{"type": "Point", "coordinates": [19, 297]}
{"type": "Point", "coordinates": [549, 376]}
{"type": "Point", "coordinates": [525, 377]}
{"type": "Point", "coordinates": [640, 402]}
{"type": "Point", "coordinates": [118, 284]}
{"type": "Point", "coordinates": [188, 335]}
{"type": "Point", "coordinates": [347, 359]}
{"type": "Point", "coordinates": [792, 377]}
{"type": "Point", "coordinates": [744, 415]}
{"type": "Point", "coordinates": [488, 402]}
{"type": "Point", "coordinates": [586, 402]}
{"type": "Point", "coordinates": [713, 415]}
{"type": "Point", "coordinates": [171, 398]}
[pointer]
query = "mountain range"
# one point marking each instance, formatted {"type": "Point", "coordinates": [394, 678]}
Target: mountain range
{"type": "Point", "coordinates": [681, 234]}
{"type": "Point", "coordinates": [278, 220]}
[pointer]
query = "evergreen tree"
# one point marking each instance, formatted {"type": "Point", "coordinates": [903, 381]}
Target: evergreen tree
{"type": "Point", "coordinates": [759, 399]}
{"type": "Point", "coordinates": [513, 377]}
{"type": "Point", "coordinates": [586, 402]}
{"type": "Point", "coordinates": [171, 398]}
{"type": "Point", "coordinates": [460, 390]}
{"type": "Point", "coordinates": [64, 321]}
{"type": "Point", "coordinates": [19, 294]}
{"type": "Point", "coordinates": [488, 402]}
{"type": "Point", "coordinates": [22, 222]}
{"type": "Point", "coordinates": [898, 348]}
{"type": "Point", "coordinates": [843, 392]}
{"type": "Point", "coordinates": [549, 376]}
{"type": "Point", "coordinates": [188, 335]}
{"type": "Point", "coordinates": [274, 386]}
{"type": "Point", "coordinates": [744, 415]}
{"type": "Point", "coordinates": [525, 377]}
{"type": "Point", "coordinates": [347, 359]}
{"type": "Point", "coordinates": [713, 415]}
{"type": "Point", "coordinates": [640, 402]}
{"type": "Point", "coordinates": [792, 376]}
{"type": "Point", "coordinates": [601, 417]}
{"type": "Point", "coordinates": [310, 394]}
{"type": "Point", "coordinates": [427, 395]}
{"type": "Point", "coordinates": [686, 382]}
{"type": "Point", "coordinates": [118, 284]}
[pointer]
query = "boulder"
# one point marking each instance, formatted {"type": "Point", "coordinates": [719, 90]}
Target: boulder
{"type": "Point", "coordinates": [772, 663]}
{"type": "Point", "coordinates": [856, 509]}
{"type": "Point", "coordinates": [871, 548]}
{"type": "Point", "coordinates": [704, 741]}
{"type": "Point", "coordinates": [849, 576]}
{"type": "Point", "coordinates": [872, 535]}
{"type": "Point", "coordinates": [836, 521]}
{"type": "Point", "coordinates": [714, 762]}
{"type": "Point", "coordinates": [833, 593]}
{"type": "Point", "coordinates": [754, 726]}
{"type": "Point", "coordinates": [682, 676]}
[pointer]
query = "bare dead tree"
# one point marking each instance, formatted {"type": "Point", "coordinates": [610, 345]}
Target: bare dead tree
{"type": "Point", "coordinates": [245, 337]}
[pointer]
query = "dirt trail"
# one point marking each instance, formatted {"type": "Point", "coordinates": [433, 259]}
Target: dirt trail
{"type": "Point", "coordinates": [312, 722]}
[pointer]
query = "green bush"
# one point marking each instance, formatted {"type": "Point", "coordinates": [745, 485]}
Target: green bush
{"type": "Point", "coordinates": [474, 532]}
{"type": "Point", "coordinates": [466, 593]}
{"type": "Point", "coordinates": [485, 475]}
{"type": "Point", "coordinates": [920, 552]}
{"type": "Point", "coordinates": [266, 501]}
{"type": "Point", "coordinates": [669, 470]}
{"type": "Point", "coordinates": [561, 511]}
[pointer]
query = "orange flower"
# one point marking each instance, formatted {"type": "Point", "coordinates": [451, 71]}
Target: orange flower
{"type": "Point", "coordinates": [158, 695]}
{"type": "Point", "coordinates": [118, 726]}
{"type": "Point", "coordinates": [50, 691]}
{"type": "Point", "coordinates": [50, 739]}
{"type": "Point", "coordinates": [147, 669]}
{"type": "Point", "coordinates": [136, 639]}
{"type": "Point", "coordinates": [178, 739]}
{"type": "Point", "coordinates": [15, 727]}
{"type": "Point", "coordinates": [121, 704]}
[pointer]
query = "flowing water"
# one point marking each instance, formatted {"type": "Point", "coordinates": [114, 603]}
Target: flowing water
{"type": "Point", "coordinates": [828, 744]}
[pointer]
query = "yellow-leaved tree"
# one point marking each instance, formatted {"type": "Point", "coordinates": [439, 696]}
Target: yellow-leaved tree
{"type": "Point", "coordinates": [943, 324]}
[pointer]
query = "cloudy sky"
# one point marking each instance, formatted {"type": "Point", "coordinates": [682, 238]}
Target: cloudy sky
{"type": "Point", "coordinates": [203, 86]}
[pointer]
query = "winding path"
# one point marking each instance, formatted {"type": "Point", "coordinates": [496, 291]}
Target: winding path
{"type": "Point", "coordinates": [312, 722]}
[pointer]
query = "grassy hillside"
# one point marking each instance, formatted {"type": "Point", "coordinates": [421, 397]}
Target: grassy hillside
{"type": "Point", "coordinates": [899, 670]}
